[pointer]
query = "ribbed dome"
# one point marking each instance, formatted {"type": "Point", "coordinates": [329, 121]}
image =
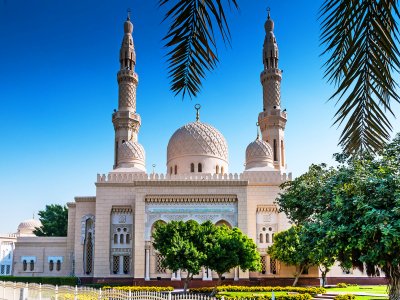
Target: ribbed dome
{"type": "Point", "coordinates": [197, 138]}
{"type": "Point", "coordinates": [131, 154]}
{"type": "Point", "coordinates": [28, 226]}
{"type": "Point", "coordinates": [258, 154]}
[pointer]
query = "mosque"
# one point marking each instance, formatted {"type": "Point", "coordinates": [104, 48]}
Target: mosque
{"type": "Point", "coordinates": [110, 234]}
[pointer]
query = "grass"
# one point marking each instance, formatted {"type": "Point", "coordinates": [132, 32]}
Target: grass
{"type": "Point", "coordinates": [250, 294]}
{"type": "Point", "coordinates": [371, 289]}
{"type": "Point", "coordinates": [371, 298]}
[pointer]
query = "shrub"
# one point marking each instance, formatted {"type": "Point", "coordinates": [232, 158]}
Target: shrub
{"type": "Point", "coordinates": [342, 285]}
{"type": "Point", "coordinates": [72, 281]}
{"type": "Point", "coordinates": [269, 297]}
{"type": "Point", "coordinates": [233, 288]}
{"type": "Point", "coordinates": [345, 297]}
{"type": "Point", "coordinates": [140, 288]}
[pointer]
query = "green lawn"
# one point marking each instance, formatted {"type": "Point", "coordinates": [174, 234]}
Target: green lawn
{"type": "Point", "coordinates": [371, 298]}
{"type": "Point", "coordinates": [372, 289]}
{"type": "Point", "coordinates": [250, 294]}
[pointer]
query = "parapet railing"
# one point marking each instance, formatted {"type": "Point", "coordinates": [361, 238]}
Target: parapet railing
{"type": "Point", "coordinates": [270, 177]}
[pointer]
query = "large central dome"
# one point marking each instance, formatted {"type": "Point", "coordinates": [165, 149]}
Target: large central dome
{"type": "Point", "coordinates": [196, 143]}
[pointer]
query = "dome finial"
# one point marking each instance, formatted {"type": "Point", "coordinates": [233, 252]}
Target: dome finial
{"type": "Point", "coordinates": [197, 108]}
{"type": "Point", "coordinates": [269, 13]}
{"type": "Point", "coordinates": [258, 133]}
{"type": "Point", "coordinates": [128, 18]}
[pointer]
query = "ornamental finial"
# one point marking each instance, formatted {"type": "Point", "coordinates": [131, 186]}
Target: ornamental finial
{"type": "Point", "coordinates": [128, 18]}
{"type": "Point", "coordinates": [269, 13]}
{"type": "Point", "coordinates": [197, 108]}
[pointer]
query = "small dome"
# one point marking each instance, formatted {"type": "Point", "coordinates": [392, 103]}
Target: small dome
{"type": "Point", "coordinates": [27, 227]}
{"type": "Point", "coordinates": [269, 24]}
{"type": "Point", "coordinates": [258, 154]}
{"type": "Point", "coordinates": [198, 143]}
{"type": "Point", "coordinates": [128, 26]}
{"type": "Point", "coordinates": [197, 138]}
{"type": "Point", "coordinates": [131, 154]}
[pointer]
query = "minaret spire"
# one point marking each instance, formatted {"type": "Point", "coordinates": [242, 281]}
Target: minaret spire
{"type": "Point", "coordinates": [272, 120]}
{"type": "Point", "coordinates": [126, 120]}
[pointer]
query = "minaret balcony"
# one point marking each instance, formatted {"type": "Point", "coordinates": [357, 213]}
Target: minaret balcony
{"type": "Point", "coordinates": [126, 115]}
{"type": "Point", "coordinates": [127, 75]}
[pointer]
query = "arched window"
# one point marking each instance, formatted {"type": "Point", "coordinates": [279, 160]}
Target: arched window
{"type": "Point", "coordinates": [127, 238]}
{"type": "Point", "coordinates": [58, 265]}
{"type": "Point", "coordinates": [261, 238]}
{"type": "Point", "coordinates": [275, 153]}
{"type": "Point", "coordinates": [32, 265]}
{"type": "Point", "coordinates": [217, 169]}
{"type": "Point", "coordinates": [121, 238]}
{"type": "Point", "coordinates": [176, 169]}
{"type": "Point", "coordinates": [199, 168]}
{"type": "Point", "coordinates": [267, 238]}
{"type": "Point", "coordinates": [115, 238]}
{"type": "Point", "coordinates": [192, 167]}
{"type": "Point", "coordinates": [24, 265]}
{"type": "Point", "coordinates": [222, 170]}
{"type": "Point", "coordinates": [282, 154]}
{"type": "Point", "coordinates": [51, 265]}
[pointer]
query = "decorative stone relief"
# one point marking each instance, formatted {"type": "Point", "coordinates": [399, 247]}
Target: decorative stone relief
{"type": "Point", "coordinates": [182, 211]}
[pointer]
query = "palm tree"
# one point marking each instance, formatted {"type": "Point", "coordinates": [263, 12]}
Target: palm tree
{"type": "Point", "coordinates": [360, 39]}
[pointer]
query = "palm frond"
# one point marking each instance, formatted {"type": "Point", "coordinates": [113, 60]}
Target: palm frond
{"type": "Point", "coordinates": [360, 39]}
{"type": "Point", "coordinates": [192, 42]}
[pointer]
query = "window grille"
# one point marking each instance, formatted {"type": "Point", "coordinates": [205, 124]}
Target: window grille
{"type": "Point", "coordinates": [8, 270]}
{"type": "Point", "coordinates": [272, 266]}
{"type": "Point", "coordinates": [159, 266]}
{"type": "Point", "coordinates": [24, 265]}
{"type": "Point", "coordinates": [115, 264]}
{"type": "Point", "coordinates": [2, 269]}
{"type": "Point", "coordinates": [31, 265]}
{"type": "Point", "coordinates": [127, 264]}
{"type": "Point", "coordinates": [199, 168]}
{"type": "Point", "coordinates": [89, 254]}
{"type": "Point", "coordinates": [51, 265]}
{"type": "Point", "coordinates": [263, 264]}
{"type": "Point", "coordinates": [192, 167]}
{"type": "Point", "coordinates": [58, 265]}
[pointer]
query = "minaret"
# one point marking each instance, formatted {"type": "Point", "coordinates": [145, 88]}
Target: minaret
{"type": "Point", "coordinates": [272, 120]}
{"type": "Point", "coordinates": [128, 152]}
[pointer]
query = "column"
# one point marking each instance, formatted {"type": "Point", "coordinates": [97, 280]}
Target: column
{"type": "Point", "coordinates": [121, 264]}
{"type": "Point", "coordinates": [236, 272]}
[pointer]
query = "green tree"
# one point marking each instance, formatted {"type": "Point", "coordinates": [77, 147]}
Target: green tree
{"type": "Point", "coordinates": [360, 221]}
{"type": "Point", "coordinates": [229, 248]}
{"type": "Point", "coordinates": [288, 247]}
{"type": "Point", "coordinates": [180, 243]}
{"type": "Point", "coordinates": [54, 220]}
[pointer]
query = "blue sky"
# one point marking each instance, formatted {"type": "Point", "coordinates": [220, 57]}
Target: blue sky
{"type": "Point", "coordinates": [58, 88]}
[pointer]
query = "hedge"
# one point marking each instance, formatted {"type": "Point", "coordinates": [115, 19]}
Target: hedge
{"type": "Point", "coordinates": [268, 297]}
{"type": "Point", "coordinates": [140, 288]}
{"type": "Point", "coordinates": [235, 288]}
{"type": "Point", "coordinates": [345, 297]}
{"type": "Point", "coordinates": [43, 280]}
